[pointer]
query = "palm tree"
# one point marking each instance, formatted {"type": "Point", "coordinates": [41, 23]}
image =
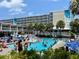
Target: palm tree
{"type": "Point", "coordinates": [36, 26]}
{"type": "Point", "coordinates": [49, 26]}
{"type": "Point", "coordinates": [30, 27]}
{"type": "Point", "coordinates": [41, 27]}
{"type": "Point", "coordinates": [74, 7]}
{"type": "Point", "coordinates": [36, 29]}
{"type": "Point", "coordinates": [74, 25]}
{"type": "Point", "coordinates": [77, 1]}
{"type": "Point", "coordinates": [60, 25]}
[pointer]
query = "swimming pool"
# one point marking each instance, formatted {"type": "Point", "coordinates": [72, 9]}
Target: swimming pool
{"type": "Point", "coordinates": [41, 45]}
{"type": "Point", "coordinates": [11, 46]}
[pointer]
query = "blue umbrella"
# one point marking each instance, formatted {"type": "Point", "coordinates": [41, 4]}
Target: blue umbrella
{"type": "Point", "coordinates": [72, 45]}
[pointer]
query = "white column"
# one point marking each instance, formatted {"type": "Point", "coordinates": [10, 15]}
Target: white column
{"type": "Point", "coordinates": [22, 29]}
{"type": "Point", "coordinates": [17, 29]}
{"type": "Point", "coordinates": [1, 27]}
{"type": "Point", "coordinates": [10, 28]}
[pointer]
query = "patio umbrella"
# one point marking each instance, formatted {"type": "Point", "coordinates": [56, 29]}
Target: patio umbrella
{"type": "Point", "coordinates": [72, 45]}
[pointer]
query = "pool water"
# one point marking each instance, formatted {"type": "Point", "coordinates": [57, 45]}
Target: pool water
{"type": "Point", "coordinates": [44, 44]}
{"type": "Point", "coordinates": [11, 46]}
{"type": "Point", "coordinates": [41, 45]}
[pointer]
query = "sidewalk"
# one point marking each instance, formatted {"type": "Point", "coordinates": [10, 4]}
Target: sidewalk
{"type": "Point", "coordinates": [5, 51]}
{"type": "Point", "coordinates": [59, 44]}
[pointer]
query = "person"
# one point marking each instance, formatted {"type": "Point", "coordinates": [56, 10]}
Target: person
{"type": "Point", "coordinates": [1, 46]}
{"type": "Point", "coordinates": [44, 44]}
{"type": "Point", "coordinates": [4, 45]}
{"type": "Point", "coordinates": [30, 43]}
{"type": "Point", "coordinates": [27, 38]}
{"type": "Point", "coordinates": [39, 39]}
{"type": "Point", "coordinates": [25, 44]}
{"type": "Point", "coordinates": [20, 46]}
{"type": "Point", "coordinates": [67, 48]}
{"type": "Point", "coordinates": [16, 46]}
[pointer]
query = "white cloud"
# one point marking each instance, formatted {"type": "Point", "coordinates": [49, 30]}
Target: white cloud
{"type": "Point", "coordinates": [30, 13]}
{"type": "Point", "coordinates": [14, 6]}
{"type": "Point", "coordinates": [54, 0]}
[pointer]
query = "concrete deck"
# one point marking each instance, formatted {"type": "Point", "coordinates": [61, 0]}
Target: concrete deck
{"type": "Point", "coordinates": [59, 44]}
{"type": "Point", "coordinates": [5, 51]}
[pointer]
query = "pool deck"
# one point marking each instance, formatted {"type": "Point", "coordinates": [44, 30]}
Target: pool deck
{"type": "Point", "coordinates": [5, 51]}
{"type": "Point", "coordinates": [59, 44]}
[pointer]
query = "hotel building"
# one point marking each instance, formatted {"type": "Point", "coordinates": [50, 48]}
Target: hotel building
{"type": "Point", "coordinates": [4, 27]}
{"type": "Point", "coordinates": [52, 17]}
{"type": "Point", "coordinates": [24, 21]}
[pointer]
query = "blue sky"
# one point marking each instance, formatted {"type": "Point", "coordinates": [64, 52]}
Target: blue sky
{"type": "Point", "coordinates": [21, 8]}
